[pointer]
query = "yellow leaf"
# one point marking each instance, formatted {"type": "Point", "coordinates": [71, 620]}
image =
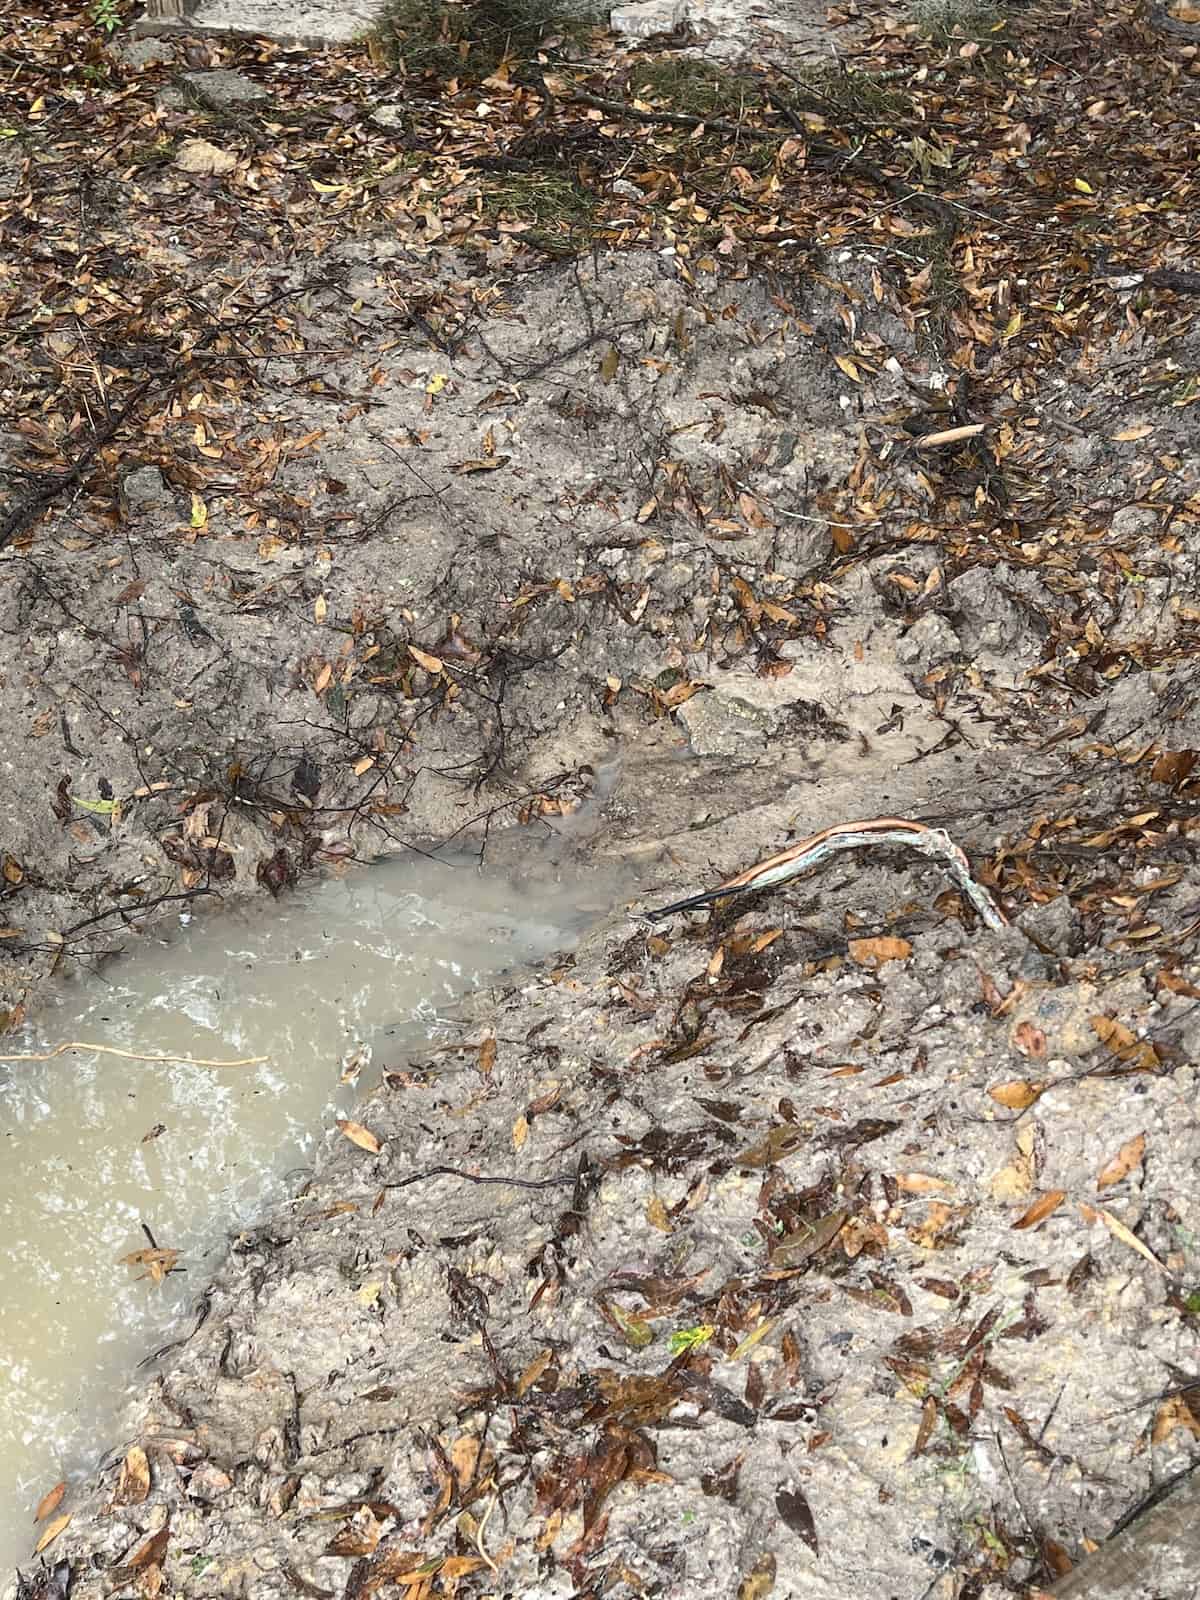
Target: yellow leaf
{"type": "Point", "coordinates": [320, 608]}
{"type": "Point", "coordinates": [520, 1132]}
{"type": "Point", "coordinates": [848, 367]}
{"type": "Point", "coordinates": [51, 1532]}
{"type": "Point", "coordinates": [357, 1134]}
{"type": "Point", "coordinates": [436, 383]}
{"type": "Point", "coordinates": [199, 512]}
{"type": "Point", "coordinates": [1012, 327]}
{"type": "Point", "coordinates": [327, 188]}
{"type": "Point", "coordinates": [369, 1293]}
{"type": "Point", "coordinates": [1084, 186]}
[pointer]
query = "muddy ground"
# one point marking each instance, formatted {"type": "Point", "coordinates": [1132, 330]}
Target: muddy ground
{"type": "Point", "coordinates": [827, 1243]}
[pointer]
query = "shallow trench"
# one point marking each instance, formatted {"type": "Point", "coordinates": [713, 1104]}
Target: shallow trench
{"type": "Point", "coordinates": [328, 987]}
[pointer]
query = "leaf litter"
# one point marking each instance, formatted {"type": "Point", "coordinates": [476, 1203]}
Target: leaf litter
{"type": "Point", "coordinates": [850, 460]}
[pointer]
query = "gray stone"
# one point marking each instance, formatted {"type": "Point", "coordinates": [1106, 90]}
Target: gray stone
{"type": "Point", "coordinates": [987, 621]}
{"type": "Point", "coordinates": [224, 89]}
{"type": "Point", "coordinates": [305, 25]}
{"type": "Point", "coordinates": [145, 490]}
{"type": "Point", "coordinates": [648, 17]}
{"type": "Point", "coordinates": [145, 52]}
{"type": "Point", "coordinates": [1054, 926]}
{"type": "Point", "coordinates": [930, 640]}
{"type": "Point", "coordinates": [720, 727]}
{"type": "Point", "coordinates": [389, 117]}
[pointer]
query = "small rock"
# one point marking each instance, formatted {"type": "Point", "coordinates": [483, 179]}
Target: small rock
{"type": "Point", "coordinates": [988, 621]}
{"type": "Point", "coordinates": [1054, 926]}
{"type": "Point", "coordinates": [1133, 519]}
{"type": "Point", "coordinates": [145, 490]}
{"type": "Point", "coordinates": [145, 52]}
{"type": "Point", "coordinates": [223, 88]}
{"type": "Point", "coordinates": [390, 117]}
{"type": "Point", "coordinates": [648, 17]}
{"type": "Point", "coordinates": [930, 640]}
{"type": "Point", "coordinates": [721, 728]}
{"type": "Point", "coordinates": [208, 1483]}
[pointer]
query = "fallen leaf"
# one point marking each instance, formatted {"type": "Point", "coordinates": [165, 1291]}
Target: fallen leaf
{"type": "Point", "coordinates": [1128, 435]}
{"type": "Point", "coordinates": [1119, 1231]}
{"type": "Point", "coordinates": [520, 1132]}
{"type": "Point", "coordinates": [51, 1532]}
{"type": "Point", "coordinates": [1018, 1095]}
{"type": "Point", "coordinates": [796, 1514]}
{"type": "Point", "coordinates": [1041, 1208]}
{"type": "Point", "coordinates": [760, 1580]}
{"type": "Point", "coordinates": [877, 952]}
{"type": "Point", "coordinates": [432, 664]}
{"type": "Point", "coordinates": [204, 159]}
{"type": "Point", "coordinates": [1030, 1041]}
{"type": "Point", "coordinates": [1122, 1164]}
{"type": "Point", "coordinates": [357, 1134]}
{"type": "Point", "coordinates": [133, 1485]}
{"type": "Point", "coordinates": [50, 1501]}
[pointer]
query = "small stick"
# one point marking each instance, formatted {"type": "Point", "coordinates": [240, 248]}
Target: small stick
{"type": "Point", "coordinates": [134, 1055]}
{"type": "Point", "coordinates": [969, 430]}
{"type": "Point", "coordinates": [483, 1522]}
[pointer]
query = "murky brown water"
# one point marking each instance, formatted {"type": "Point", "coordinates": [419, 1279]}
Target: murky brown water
{"type": "Point", "coordinates": [92, 1146]}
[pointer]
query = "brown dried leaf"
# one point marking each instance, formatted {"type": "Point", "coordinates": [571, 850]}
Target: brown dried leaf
{"type": "Point", "coordinates": [796, 1514]}
{"type": "Point", "coordinates": [1017, 1095]}
{"type": "Point", "coordinates": [50, 1501]}
{"type": "Point", "coordinates": [432, 664]}
{"type": "Point", "coordinates": [1041, 1208]}
{"type": "Point", "coordinates": [876, 952]}
{"type": "Point", "coordinates": [782, 1141]}
{"type": "Point", "coordinates": [1122, 1164]}
{"type": "Point", "coordinates": [1173, 766]}
{"type": "Point", "coordinates": [357, 1134]}
{"type": "Point", "coordinates": [133, 1485]}
{"type": "Point", "coordinates": [1029, 1040]}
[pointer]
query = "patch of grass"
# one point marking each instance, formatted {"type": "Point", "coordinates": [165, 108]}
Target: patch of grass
{"type": "Point", "coordinates": [442, 39]}
{"type": "Point", "coordinates": [956, 22]}
{"type": "Point", "coordinates": [697, 88]}
{"type": "Point", "coordinates": [849, 99]}
{"type": "Point", "coordinates": [560, 212]}
{"type": "Point", "coordinates": [944, 291]}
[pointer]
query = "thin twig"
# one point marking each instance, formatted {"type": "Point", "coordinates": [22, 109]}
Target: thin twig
{"type": "Point", "coordinates": [135, 1055]}
{"type": "Point", "coordinates": [483, 1522]}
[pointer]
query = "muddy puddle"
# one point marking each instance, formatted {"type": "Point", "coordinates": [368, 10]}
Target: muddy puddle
{"type": "Point", "coordinates": [95, 1145]}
